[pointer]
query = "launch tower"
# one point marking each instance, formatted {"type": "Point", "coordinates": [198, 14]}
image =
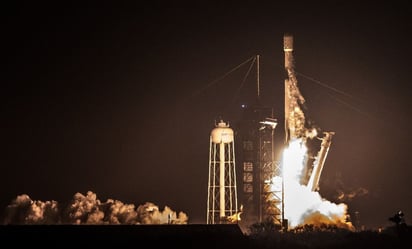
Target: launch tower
{"type": "Point", "coordinates": [262, 201]}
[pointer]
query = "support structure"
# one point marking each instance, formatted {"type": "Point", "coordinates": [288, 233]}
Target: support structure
{"type": "Point", "coordinates": [271, 195]}
{"type": "Point", "coordinates": [313, 183]}
{"type": "Point", "coordinates": [262, 202]}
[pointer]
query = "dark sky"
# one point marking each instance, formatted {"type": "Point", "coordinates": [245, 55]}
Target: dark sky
{"type": "Point", "coordinates": [108, 97]}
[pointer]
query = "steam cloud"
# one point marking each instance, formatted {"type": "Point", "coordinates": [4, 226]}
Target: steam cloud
{"type": "Point", "coordinates": [88, 209]}
{"type": "Point", "coordinates": [302, 205]}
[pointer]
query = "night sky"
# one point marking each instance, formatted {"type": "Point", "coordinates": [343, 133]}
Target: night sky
{"type": "Point", "coordinates": [113, 98]}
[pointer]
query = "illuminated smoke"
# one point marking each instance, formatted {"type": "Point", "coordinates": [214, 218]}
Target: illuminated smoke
{"type": "Point", "coordinates": [43, 213]}
{"type": "Point", "coordinates": [302, 205]}
{"type": "Point", "coordinates": [150, 214]}
{"type": "Point", "coordinates": [120, 213]}
{"type": "Point", "coordinates": [84, 209]}
{"type": "Point", "coordinates": [88, 209]}
{"type": "Point", "coordinates": [23, 210]}
{"type": "Point", "coordinates": [352, 194]}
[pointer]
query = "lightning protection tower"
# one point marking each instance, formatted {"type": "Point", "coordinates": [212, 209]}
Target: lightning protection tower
{"type": "Point", "coordinates": [222, 192]}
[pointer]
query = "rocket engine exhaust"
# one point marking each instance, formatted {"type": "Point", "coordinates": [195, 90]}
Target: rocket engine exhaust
{"type": "Point", "coordinates": [302, 203]}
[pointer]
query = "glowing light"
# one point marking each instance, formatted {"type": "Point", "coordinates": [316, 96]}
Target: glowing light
{"type": "Point", "coordinates": [301, 205]}
{"type": "Point", "coordinates": [88, 209]}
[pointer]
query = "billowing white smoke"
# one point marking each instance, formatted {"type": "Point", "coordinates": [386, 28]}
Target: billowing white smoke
{"type": "Point", "coordinates": [302, 205]}
{"type": "Point", "coordinates": [88, 209]}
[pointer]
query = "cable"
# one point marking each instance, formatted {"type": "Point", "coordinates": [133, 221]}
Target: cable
{"type": "Point", "coordinates": [337, 91]}
{"type": "Point", "coordinates": [324, 85]}
{"type": "Point", "coordinates": [243, 81]}
{"type": "Point", "coordinates": [348, 105]}
{"type": "Point", "coordinates": [221, 77]}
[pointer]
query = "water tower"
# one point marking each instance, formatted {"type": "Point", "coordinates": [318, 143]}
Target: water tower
{"type": "Point", "coordinates": [222, 192]}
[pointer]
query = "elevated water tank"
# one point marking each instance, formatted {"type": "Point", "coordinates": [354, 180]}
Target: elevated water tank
{"type": "Point", "coordinates": [222, 133]}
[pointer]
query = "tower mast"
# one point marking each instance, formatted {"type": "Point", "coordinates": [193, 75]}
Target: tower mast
{"type": "Point", "coordinates": [258, 76]}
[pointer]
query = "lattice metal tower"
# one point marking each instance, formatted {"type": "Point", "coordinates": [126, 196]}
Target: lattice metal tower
{"type": "Point", "coordinates": [261, 196]}
{"type": "Point", "coordinates": [271, 191]}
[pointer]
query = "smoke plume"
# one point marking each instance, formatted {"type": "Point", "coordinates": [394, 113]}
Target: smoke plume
{"type": "Point", "coordinates": [302, 205]}
{"type": "Point", "coordinates": [24, 210]}
{"type": "Point", "coordinates": [150, 214]}
{"type": "Point", "coordinates": [88, 209]}
{"type": "Point", "coordinates": [342, 196]}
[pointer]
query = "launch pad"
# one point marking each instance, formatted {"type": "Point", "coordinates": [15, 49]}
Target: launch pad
{"type": "Point", "coordinates": [264, 179]}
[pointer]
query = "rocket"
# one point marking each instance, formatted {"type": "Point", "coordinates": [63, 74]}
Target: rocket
{"type": "Point", "coordinates": [294, 116]}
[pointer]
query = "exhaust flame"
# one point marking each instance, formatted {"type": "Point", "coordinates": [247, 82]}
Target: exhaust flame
{"type": "Point", "coordinates": [301, 204]}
